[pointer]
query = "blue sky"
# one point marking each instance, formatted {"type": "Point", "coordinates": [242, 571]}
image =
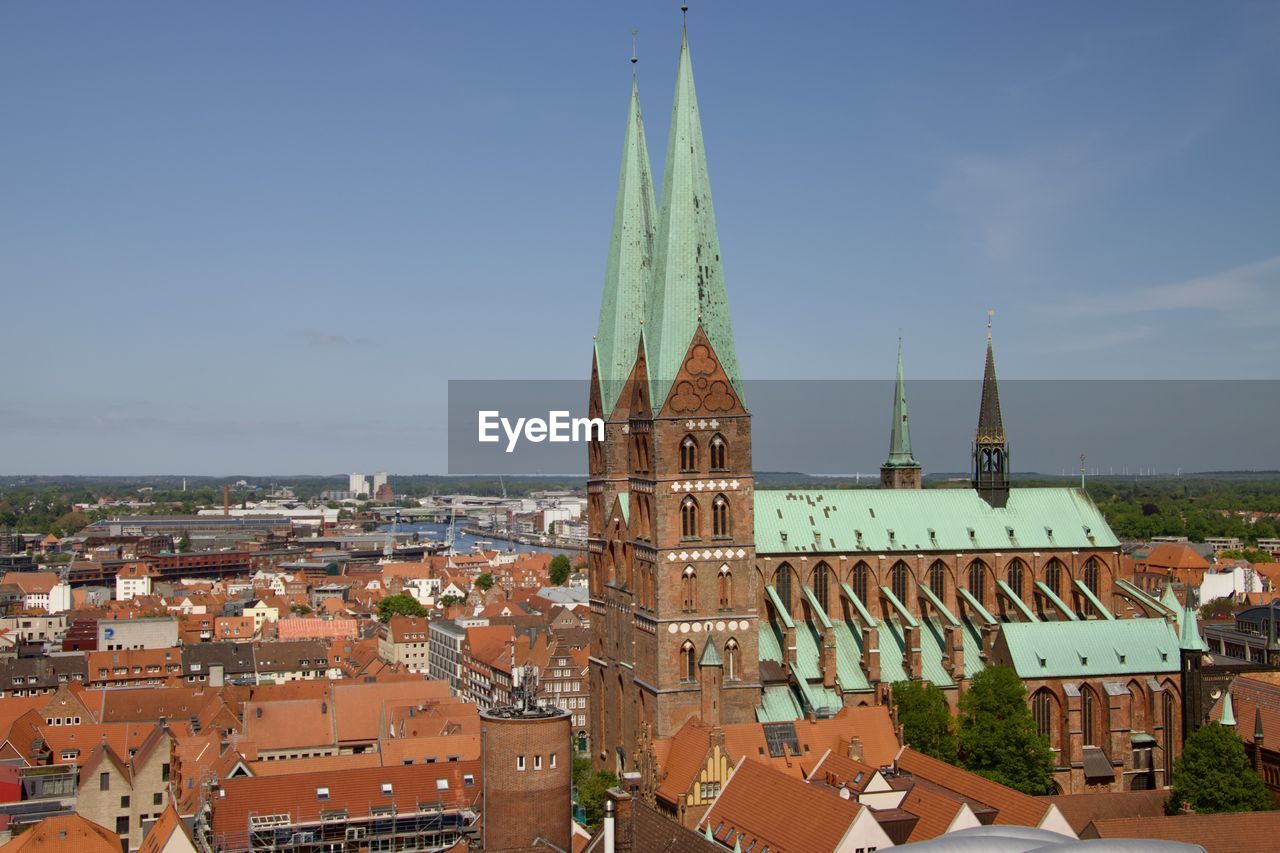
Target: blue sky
{"type": "Point", "coordinates": [261, 237]}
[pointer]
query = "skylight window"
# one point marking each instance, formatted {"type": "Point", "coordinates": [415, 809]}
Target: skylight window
{"type": "Point", "coordinates": [322, 793]}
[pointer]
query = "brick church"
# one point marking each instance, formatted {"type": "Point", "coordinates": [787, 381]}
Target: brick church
{"type": "Point", "coordinates": [715, 600]}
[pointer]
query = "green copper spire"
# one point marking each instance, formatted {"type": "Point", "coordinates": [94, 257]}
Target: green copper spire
{"type": "Point", "coordinates": [627, 275]}
{"type": "Point", "coordinates": [708, 834]}
{"type": "Point", "coordinates": [688, 279]}
{"type": "Point", "coordinates": [710, 655]}
{"type": "Point", "coordinates": [1190, 639]}
{"type": "Point", "coordinates": [1228, 712]}
{"type": "Point", "coordinates": [900, 431]}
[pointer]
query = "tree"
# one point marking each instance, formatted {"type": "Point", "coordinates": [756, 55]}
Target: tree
{"type": "Point", "coordinates": [450, 600]}
{"type": "Point", "coordinates": [998, 736]}
{"type": "Point", "coordinates": [485, 582]}
{"type": "Point", "coordinates": [1213, 774]}
{"type": "Point", "coordinates": [559, 570]}
{"type": "Point", "coordinates": [184, 544]}
{"type": "Point", "coordinates": [925, 719]}
{"type": "Point", "coordinates": [400, 604]}
{"type": "Point", "coordinates": [591, 787]}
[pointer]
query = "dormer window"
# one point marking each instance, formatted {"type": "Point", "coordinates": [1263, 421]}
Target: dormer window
{"type": "Point", "coordinates": [322, 794]}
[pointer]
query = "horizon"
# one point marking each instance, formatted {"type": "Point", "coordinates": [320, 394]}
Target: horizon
{"type": "Point", "coordinates": [223, 215]}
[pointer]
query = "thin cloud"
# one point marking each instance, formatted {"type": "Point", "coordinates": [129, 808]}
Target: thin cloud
{"type": "Point", "coordinates": [1247, 295]}
{"type": "Point", "coordinates": [317, 339]}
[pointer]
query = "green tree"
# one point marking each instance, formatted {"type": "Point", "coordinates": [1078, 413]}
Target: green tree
{"type": "Point", "coordinates": [925, 719]}
{"type": "Point", "coordinates": [184, 544]}
{"type": "Point", "coordinates": [998, 737]}
{"type": "Point", "coordinates": [1213, 774]}
{"type": "Point", "coordinates": [400, 604]}
{"type": "Point", "coordinates": [450, 600]}
{"type": "Point", "coordinates": [484, 583]}
{"type": "Point", "coordinates": [559, 570]}
{"type": "Point", "coordinates": [591, 786]}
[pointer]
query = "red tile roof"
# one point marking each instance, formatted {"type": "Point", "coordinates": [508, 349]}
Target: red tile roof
{"type": "Point", "coordinates": [1242, 832]}
{"type": "Point", "coordinates": [762, 805]}
{"type": "Point", "coordinates": [59, 834]}
{"type": "Point", "coordinates": [1012, 807]}
{"type": "Point", "coordinates": [358, 791]}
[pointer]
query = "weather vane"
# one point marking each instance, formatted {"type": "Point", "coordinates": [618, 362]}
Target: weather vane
{"type": "Point", "coordinates": [634, 58]}
{"type": "Point", "coordinates": [991, 312]}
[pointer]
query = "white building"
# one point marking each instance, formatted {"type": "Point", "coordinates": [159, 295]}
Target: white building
{"type": "Point", "coordinates": [379, 480]}
{"type": "Point", "coordinates": [133, 580]}
{"type": "Point", "coordinates": [358, 483]}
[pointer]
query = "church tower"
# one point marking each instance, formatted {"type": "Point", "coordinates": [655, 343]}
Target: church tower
{"type": "Point", "coordinates": [673, 612]}
{"type": "Point", "coordinates": [900, 470]}
{"type": "Point", "coordinates": [990, 449]}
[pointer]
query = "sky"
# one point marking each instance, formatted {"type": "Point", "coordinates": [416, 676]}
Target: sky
{"type": "Point", "coordinates": [248, 237]}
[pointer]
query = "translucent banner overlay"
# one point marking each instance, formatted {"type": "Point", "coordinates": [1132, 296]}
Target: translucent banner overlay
{"type": "Point", "coordinates": [841, 427]}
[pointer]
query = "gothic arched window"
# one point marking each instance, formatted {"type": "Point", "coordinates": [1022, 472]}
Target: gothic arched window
{"type": "Point", "coordinates": [1091, 574]}
{"type": "Point", "coordinates": [782, 585]}
{"type": "Point", "coordinates": [688, 454]}
{"type": "Point", "coordinates": [938, 580]}
{"type": "Point", "coordinates": [731, 663]}
{"type": "Point", "coordinates": [1053, 576]}
{"type": "Point", "coordinates": [726, 588]}
{"type": "Point", "coordinates": [720, 516]}
{"type": "Point", "coordinates": [861, 580]}
{"type": "Point", "coordinates": [689, 518]}
{"type": "Point", "coordinates": [821, 583]}
{"type": "Point", "coordinates": [689, 661]}
{"type": "Point", "coordinates": [900, 581]}
{"type": "Point", "coordinates": [689, 589]}
{"type": "Point", "coordinates": [1015, 575]}
{"type": "Point", "coordinates": [719, 453]}
{"type": "Point", "coordinates": [1088, 715]}
{"type": "Point", "coordinates": [1042, 710]}
{"type": "Point", "coordinates": [978, 580]}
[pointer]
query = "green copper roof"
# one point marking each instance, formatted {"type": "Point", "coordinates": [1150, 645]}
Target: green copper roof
{"type": "Point", "coordinates": [778, 705]}
{"type": "Point", "coordinates": [710, 655]}
{"type": "Point", "coordinates": [1189, 639]}
{"type": "Point", "coordinates": [1228, 717]}
{"type": "Point", "coordinates": [688, 279]}
{"type": "Point", "coordinates": [627, 275]}
{"type": "Point", "coordinates": [900, 431]}
{"type": "Point", "coordinates": [946, 520]}
{"type": "Point", "coordinates": [1090, 648]}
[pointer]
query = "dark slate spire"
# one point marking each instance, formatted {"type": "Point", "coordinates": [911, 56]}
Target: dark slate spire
{"type": "Point", "coordinates": [990, 449]}
{"type": "Point", "coordinates": [1258, 734]}
{"type": "Point", "coordinates": [990, 424]}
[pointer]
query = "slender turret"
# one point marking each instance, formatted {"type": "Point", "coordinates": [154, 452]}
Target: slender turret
{"type": "Point", "coordinates": [900, 470]}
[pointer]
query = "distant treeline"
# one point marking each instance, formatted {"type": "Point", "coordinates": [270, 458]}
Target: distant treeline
{"type": "Point", "coordinates": [1192, 505]}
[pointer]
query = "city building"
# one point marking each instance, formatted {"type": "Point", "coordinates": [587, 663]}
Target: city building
{"type": "Point", "coordinates": [445, 640]}
{"type": "Point", "coordinates": [404, 640]}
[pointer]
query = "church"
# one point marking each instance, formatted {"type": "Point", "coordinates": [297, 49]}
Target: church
{"type": "Point", "coordinates": [715, 600]}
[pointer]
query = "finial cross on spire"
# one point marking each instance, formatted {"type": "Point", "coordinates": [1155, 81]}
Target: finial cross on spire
{"type": "Point", "coordinates": [634, 58]}
{"type": "Point", "coordinates": [991, 312]}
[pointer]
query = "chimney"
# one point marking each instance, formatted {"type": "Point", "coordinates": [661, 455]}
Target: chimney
{"type": "Point", "coordinates": [828, 658]}
{"type": "Point", "coordinates": [610, 831]}
{"type": "Point", "coordinates": [855, 748]}
{"type": "Point", "coordinates": [623, 814]}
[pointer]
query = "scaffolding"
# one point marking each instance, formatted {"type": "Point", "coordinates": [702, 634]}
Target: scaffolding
{"type": "Point", "coordinates": [431, 826]}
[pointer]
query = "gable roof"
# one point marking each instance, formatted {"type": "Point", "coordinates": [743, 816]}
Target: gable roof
{"type": "Point", "coordinates": [1040, 518]}
{"type": "Point", "coordinates": [1241, 832]}
{"type": "Point", "coordinates": [68, 832]}
{"type": "Point", "coordinates": [760, 806]}
{"type": "Point", "coordinates": [1087, 648]}
{"type": "Point", "coordinates": [165, 828]}
{"type": "Point", "coordinates": [1012, 807]}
